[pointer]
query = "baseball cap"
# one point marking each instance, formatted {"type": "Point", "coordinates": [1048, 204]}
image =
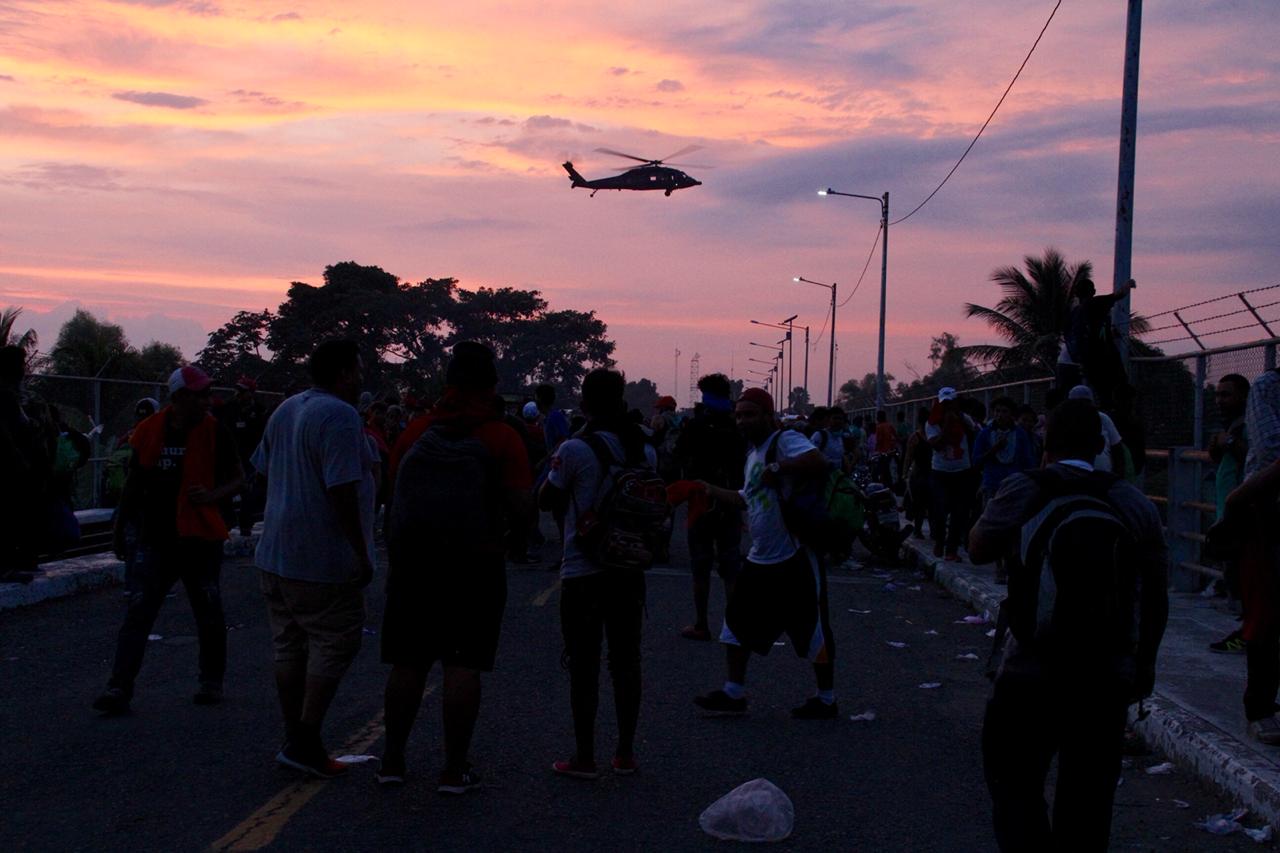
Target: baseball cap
{"type": "Point", "coordinates": [1081, 392]}
{"type": "Point", "coordinates": [665, 402]}
{"type": "Point", "coordinates": [244, 383]}
{"type": "Point", "coordinates": [945, 394]}
{"type": "Point", "coordinates": [188, 378]}
{"type": "Point", "coordinates": [758, 397]}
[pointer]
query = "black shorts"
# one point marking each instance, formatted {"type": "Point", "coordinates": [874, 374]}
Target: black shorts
{"type": "Point", "coordinates": [783, 598]}
{"type": "Point", "coordinates": [448, 611]}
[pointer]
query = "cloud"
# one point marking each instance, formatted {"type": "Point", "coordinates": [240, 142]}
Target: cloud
{"type": "Point", "coordinates": [161, 99]}
{"type": "Point", "coordinates": [247, 96]}
{"type": "Point", "coordinates": [538, 123]}
{"type": "Point", "coordinates": [195, 7]}
{"type": "Point", "coordinates": [619, 71]}
{"type": "Point", "coordinates": [287, 16]}
{"type": "Point", "coordinates": [669, 86]}
{"type": "Point", "coordinates": [8, 78]}
{"type": "Point", "coordinates": [58, 176]}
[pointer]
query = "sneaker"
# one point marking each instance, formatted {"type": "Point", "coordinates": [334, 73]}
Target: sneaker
{"type": "Point", "coordinates": [573, 769]}
{"type": "Point", "coordinates": [815, 709]}
{"type": "Point", "coordinates": [459, 783]}
{"type": "Point", "coordinates": [624, 766]}
{"type": "Point", "coordinates": [692, 632]}
{"type": "Point", "coordinates": [1232, 644]}
{"type": "Point", "coordinates": [208, 694]}
{"type": "Point", "coordinates": [112, 703]}
{"type": "Point", "coordinates": [1266, 730]}
{"type": "Point", "coordinates": [717, 703]}
{"type": "Point", "coordinates": [314, 762]}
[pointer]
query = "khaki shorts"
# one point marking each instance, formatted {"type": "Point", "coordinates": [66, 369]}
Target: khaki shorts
{"type": "Point", "coordinates": [319, 623]}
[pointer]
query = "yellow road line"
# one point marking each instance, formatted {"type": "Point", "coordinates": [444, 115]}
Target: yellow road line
{"type": "Point", "coordinates": [541, 599]}
{"type": "Point", "coordinates": [263, 826]}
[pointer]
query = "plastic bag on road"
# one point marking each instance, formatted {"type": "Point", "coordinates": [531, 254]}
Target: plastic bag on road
{"type": "Point", "coordinates": [754, 811]}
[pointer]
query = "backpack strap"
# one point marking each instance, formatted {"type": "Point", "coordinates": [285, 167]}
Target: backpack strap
{"type": "Point", "coordinates": [603, 453]}
{"type": "Point", "coordinates": [771, 452]}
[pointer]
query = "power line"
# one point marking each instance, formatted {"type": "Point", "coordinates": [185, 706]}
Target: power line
{"type": "Point", "coordinates": [875, 241]}
{"type": "Point", "coordinates": [1008, 89]}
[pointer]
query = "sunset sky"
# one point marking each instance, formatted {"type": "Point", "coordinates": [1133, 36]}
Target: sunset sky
{"type": "Point", "coordinates": [166, 163]}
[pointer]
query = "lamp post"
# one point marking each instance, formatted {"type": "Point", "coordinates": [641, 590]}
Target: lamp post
{"type": "Point", "coordinates": [883, 201]}
{"type": "Point", "coordinates": [788, 325]}
{"type": "Point", "coordinates": [831, 366]}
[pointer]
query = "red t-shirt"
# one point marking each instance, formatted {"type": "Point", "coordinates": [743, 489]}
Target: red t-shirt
{"type": "Point", "coordinates": [503, 442]}
{"type": "Point", "coordinates": [886, 437]}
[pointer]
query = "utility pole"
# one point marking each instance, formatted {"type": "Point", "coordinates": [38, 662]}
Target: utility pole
{"type": "Point", "coordinates": [675, 379]}
{"type": "Point", "coordinates": [1122, 269]}
{"type": "Point", "coordinates": [831, 366]}
{"type": "Point", "coordinates": [806, 365]}
{"type": "Point", "coordinates": [884, 278]}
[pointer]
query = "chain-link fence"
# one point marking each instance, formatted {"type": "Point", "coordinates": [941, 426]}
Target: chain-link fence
{"type": "Point", "coordinates": [103, 409]}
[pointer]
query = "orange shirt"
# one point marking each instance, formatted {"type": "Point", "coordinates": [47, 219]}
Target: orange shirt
{"type": "Point", "coordinates": [886, 438]}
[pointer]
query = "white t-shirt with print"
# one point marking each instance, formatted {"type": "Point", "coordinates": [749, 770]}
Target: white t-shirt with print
{"type": "Point", "coordinates": [771, 542]}
{"type": "Point", "coordinates": [1111, 437]}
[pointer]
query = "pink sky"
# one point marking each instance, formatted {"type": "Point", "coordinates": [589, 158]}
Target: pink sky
{"type": "Point", "coordinates": [166, 163]}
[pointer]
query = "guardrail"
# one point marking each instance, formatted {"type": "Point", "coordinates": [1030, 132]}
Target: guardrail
{"type": "Point", "coordinates": [1185, 512]}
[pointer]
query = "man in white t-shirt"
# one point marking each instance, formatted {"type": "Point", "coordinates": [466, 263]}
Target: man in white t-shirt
{"type": "Point", "coordinates": [1112, 456]}
{"type": "Point", "coordinates": [316, 550]}
{"type": "Point", "coordinates": [781, 587]}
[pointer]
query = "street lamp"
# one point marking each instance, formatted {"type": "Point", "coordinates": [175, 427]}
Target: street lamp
{"type": "Point", "coordinates": [831, 366]}
{"type": "Point", "coordinates": [789, 325]}
{"type": "Point", "coordinates": [883, 201]}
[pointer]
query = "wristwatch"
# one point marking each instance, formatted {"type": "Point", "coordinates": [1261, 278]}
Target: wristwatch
{"type": "Point", "coordinates": [773, 468]}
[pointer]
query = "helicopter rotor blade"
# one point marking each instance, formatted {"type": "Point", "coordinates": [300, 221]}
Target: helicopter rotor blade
{"type": "Point", "coordinates": [620, 154]}
{"type": "Point", "coordinates": [688, 165]}
{"type": "Point", "coordinates": [688, 149]}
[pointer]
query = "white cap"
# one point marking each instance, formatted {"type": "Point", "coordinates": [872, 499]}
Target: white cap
{"type": "Point", "coordinates": [945, 394]}
{"type": "Point", "coordinates": [188, 378]}
{"type": "Point", "coordinates": [530, 410]}
{"type": "Point", "coordinates": [1081, 392]}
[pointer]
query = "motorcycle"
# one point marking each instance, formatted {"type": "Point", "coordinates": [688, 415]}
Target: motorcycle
{"type": "Point", "coordinates": [882, 532]}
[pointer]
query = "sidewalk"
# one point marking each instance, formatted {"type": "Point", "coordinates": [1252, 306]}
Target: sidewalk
{"type": "Point", "coordinates": [1197, 718]}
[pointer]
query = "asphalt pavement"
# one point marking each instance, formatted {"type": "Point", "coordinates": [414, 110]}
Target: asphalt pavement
{"type": "Point", "coordinates": [173, 776]}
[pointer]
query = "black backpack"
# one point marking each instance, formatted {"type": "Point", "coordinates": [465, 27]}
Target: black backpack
{"type": "Point", "coordinates": [1073, 602]}
{"type": "Point", "coordinates": [448, 498]}
{"type": "Point", "coordinates": [621, 531]}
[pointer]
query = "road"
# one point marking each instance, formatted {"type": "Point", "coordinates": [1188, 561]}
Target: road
{"type": "Point", "coordinates": [173, 776]}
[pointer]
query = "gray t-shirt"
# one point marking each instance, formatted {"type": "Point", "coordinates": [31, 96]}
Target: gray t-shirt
{"type": "Point", "coordinates": [313, 442]}
{"type": "Point", "coordinates": [575, 469]}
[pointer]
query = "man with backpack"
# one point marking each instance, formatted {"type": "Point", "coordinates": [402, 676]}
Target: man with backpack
{"type": "Point", "coordinates": [712, 449]}
{"type": "Point", "coordinates": [1086, 611]}
{"type": "Point", "coordinates": [460, 485]}
{"type": "Point", "coordinates": [606, 482]}
{"type": "Point", "coordinates": [781, 587]}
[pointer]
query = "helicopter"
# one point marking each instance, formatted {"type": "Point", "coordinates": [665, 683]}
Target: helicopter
{"type": "Point", "coordinates": [651, 175]}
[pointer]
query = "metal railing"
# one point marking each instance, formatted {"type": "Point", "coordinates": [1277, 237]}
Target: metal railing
{"type": "Point", "coordinates": [1175, 405]}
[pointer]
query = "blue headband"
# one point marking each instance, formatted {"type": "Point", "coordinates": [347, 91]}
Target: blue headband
{"type": "Point", "coordinates": [716, 403]}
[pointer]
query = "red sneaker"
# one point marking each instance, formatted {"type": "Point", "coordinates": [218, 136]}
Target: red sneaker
{"type": "Point", "coordinates": [624, 766]}
{"type": "Point", "coordinates": [574, 769]}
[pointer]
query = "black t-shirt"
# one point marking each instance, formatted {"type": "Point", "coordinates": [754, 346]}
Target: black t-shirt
{"type": "Point", "coordinates": [711, 448]}
{"type": "Point", "coordinates": [158, 501]}
{"type": "Point", "coordinates": [246, 422]}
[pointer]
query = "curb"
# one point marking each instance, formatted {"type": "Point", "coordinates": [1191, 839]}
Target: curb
{"type": "Point", "coordinates": [63, 578]}
{"type": "Point", "coordinates": [74, 575]}
{"type": "Point", "coordinates": [1198, 746]}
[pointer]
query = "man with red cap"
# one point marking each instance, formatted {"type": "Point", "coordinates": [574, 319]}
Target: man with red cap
{"type": "Point", "coordinates": [184, 463]}
{"type": "Point", "coordinates": [782, 586]}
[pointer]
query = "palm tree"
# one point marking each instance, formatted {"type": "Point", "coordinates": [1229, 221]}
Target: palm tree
{"type": "Point", "coordinates": [1032, 313]}
{"type": "Point", "coordinates": [10, 337]}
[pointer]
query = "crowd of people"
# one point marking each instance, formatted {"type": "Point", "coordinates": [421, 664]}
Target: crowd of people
{"type": "Point", "coordinates": [460, 485]}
